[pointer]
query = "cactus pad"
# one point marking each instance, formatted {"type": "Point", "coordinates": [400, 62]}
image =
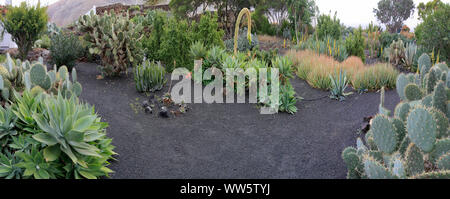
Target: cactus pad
{"type": "Point", "coordinates": [375, 170]}
{"type": "Point", "coordinates": [414, 160]}
{"type": "Point", "coordinates": [422, 128]}
{"type": "Point", "coordinates": [413, 92]}
{"type": "Point", "coordinates": [401, 83]}
{"type": "Point", "coordinates": [443, 162]}
{"type": "Point", "coordinates": [384, 134]}
{"type": "Point", "coordinates": [401, 111]}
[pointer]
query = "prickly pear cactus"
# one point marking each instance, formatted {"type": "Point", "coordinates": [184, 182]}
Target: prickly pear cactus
{"type": "Point", "coordinates": [415, 141]}
{"type": "Point", "coordinates": [114, 38]}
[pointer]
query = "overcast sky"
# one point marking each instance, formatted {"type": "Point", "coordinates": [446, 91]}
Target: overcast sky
{"type": "Point", "coordinates": [350, 12]}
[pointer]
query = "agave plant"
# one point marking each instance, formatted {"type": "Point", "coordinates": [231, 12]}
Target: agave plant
{"type": "Point", "coordinates": [8, 166]}
{"type": "Point", "coordinates": [284, 66]}
{"type": "Point", "coordinates": [198, 50]}
{"type": "Point", "coordinates": [339, 83]}
{"type": "Point", "coordinates": [410, 53]}
{"type": "Point", "coordinates": [7, 122]}
{"type": "Point", "coordinates": [35, 165]}
{"type": "Point", "coordinates": [70, 128]}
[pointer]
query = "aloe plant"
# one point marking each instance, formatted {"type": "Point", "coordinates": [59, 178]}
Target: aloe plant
{"type": "Point", "coordinates": [149, 76]}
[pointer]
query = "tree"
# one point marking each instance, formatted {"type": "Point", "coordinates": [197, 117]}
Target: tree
{"type": "Point", "coordinates": [300, 13]}
{"type": "Point", "coordinates": [25, 24]}
{"type": "Point", "coordinates": [428, 8]}
{"type": "Point", "coordinates": [392, 13]}
{"type": "Point", "coordinates": [434, 32]}
{"type": "Point", "coordinates": [327, 26]}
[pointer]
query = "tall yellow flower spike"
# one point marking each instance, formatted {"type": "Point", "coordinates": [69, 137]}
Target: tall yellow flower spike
{"type": "Point", "coordinates": [249, 29]}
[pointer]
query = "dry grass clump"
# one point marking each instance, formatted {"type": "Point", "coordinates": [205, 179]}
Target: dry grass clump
{"type": "Point", "coordinates": [316, 69]}
{"type": "Point", "coordinates": [269, 39]}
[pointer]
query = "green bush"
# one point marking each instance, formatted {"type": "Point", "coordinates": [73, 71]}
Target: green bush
{"type": "Point", "coordinates": [327, 26]}
{"type": "Point", "coordinates": [26, 24]}
{"type": "Point", "coordinates": [433, 32]}
{"type": "Point", "coordinates": [387, 38]}
{"type": "Point", "coordinates": [207, 31]}
{"type": "Point", "coordinates": [175, 45]}
{"type": "Point", "coordinates": [152, 42]}
{"type": "Point", "coordinates": [262, 24]}
{"type": "Point", "coordinates": [354, 44]}
{"type": "Point", "coordinates": [65, 50]}
{"type": "Point", "coordinates": [43, 42]}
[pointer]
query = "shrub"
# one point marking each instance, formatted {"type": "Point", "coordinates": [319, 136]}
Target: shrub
{"type": "Point", "coordinates": [432, 33]}
{"type": "Point", "coordinates": [414, 141]}
{"type": "Point", "coordinates": [207, 31]}
{"type": "Point", "coordinates": [327, 26]}
{"type": "Point", "coordinates": [262, 24]}
{"type": "Point", "coordinates": [175, 45]}
{"type": "Point", "coordinates": [43, 42]}
{"type": "Point", "coordinates": [25, 24]}
{"type": "Point", "coordinates": [149, 77]}
{"type": "Point", "coordinates": [354, 44]}
{"type": "Point", "coordinates": [152, 42]}
{"type": "Point", "coordinates": [114, 38]}
{"type": "Point", "coordinates": [65, 50]}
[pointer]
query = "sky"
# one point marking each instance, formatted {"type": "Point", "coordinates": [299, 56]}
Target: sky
{"type": "Point", "coordinates": [350, 12]}
{"type": "Point", "coordinates": [360, 12]}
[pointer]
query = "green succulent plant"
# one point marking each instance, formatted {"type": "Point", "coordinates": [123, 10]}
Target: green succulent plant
{"type": "Point", "coordinates": [339, 83]}
{"type": "Point", "coordinates": [414, 142]}
{"type": "Point", "coordinates": [70, 128]}
{"type": "Point", "coordinates": [149, 76]}
{"type": "Point", "coordinates": [115, 38]}
{"type": "Point", "coordinates": [198, 50]}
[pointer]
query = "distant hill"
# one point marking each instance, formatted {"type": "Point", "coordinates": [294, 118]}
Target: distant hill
{"type": "Point", "coordinates": [64, 12]}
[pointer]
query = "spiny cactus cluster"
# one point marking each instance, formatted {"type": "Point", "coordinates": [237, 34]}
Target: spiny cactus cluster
{"type": "Point", "coordinates": [115, 38]}
{"type": "Point", "coordinates": [149, 76]}
{"type": "Point", "coordinates": [396, 52]}
{"type": "Point", "coordinates": [414, 142]}
{"type": "Point", "coordinates": [16, 75]}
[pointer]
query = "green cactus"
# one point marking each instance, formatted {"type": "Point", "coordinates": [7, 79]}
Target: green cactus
{"type": "Point", "coordinates": [384, 134]}
{"type": "Point", "coordinates": [375, 170]}
{"type": "Point", "coordinates": [422, 128]}
{"type": "Point", "coordinates": [115, 38]}
{"type": "Point", "coordinates": [414, 160]}
{"type": "Point", "coordinates": [415, 142]}
{"type": "Point", "coordinates": [431, 79]}
{"type": "Point", "coordinates": [401, 83]}
{"type": "Point", "coordinates": [36, 90]}
{"type": "Point", "coordinates": [401, 110]}
{"type": "Point", "coordinates": [443, 162]}
{"type": "Point", "coordinates": [440, 97]}
{"type": "Point", "coordinates": [413, 92]}
{"type": "Point", "coordinates": [424, 63]}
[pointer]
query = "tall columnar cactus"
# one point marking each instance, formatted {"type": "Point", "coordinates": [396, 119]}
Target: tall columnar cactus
{"type": "Point", "coordinates": [115, 38]}
{"type": "Point", "coordinates": [414, 142]}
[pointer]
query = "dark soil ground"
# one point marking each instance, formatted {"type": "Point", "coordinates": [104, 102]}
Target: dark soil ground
{"type": "Point", "coordinates": [228, 140]}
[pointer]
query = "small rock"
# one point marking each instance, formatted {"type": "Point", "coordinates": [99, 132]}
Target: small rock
{"type": "Point", "coordinates": [148, 110]}
{"type": "Point", "coordinates": [163, 112]}
{"type": "Point", "coordinates": [145, 104]}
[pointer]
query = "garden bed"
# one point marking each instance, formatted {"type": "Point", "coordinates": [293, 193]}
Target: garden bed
{"type": "Point", "coordinates": [228, 140]}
